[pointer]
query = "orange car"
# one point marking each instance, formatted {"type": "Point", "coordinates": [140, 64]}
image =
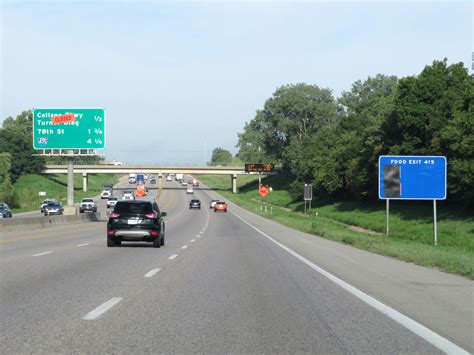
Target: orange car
{"type": "Point", "coordinates": [220, 206]}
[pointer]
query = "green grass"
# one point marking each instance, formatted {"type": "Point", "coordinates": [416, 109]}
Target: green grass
{"type": "Point", "coordinates": [27, 187]}
{"type": "Point", "coordinates": [362, 225]}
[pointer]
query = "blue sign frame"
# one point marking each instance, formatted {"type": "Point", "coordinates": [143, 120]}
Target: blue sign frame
{"type": "Point", "coordinates": [405, 177]}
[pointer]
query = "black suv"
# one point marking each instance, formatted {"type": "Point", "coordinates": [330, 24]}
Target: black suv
{"type": "Point", "coordinates": [194, 204]}
{"type": "Point", "coordinates": [136, 221]}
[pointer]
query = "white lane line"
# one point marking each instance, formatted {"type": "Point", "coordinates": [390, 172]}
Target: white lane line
{"type": "Point", "coordinates": [152, 273]}
{"type": "Point", "coordinates": [39, 254]}
{"type": "Point", "coordinates": [417, 328]}
{"type": "Point", "coordinates": [198, 235]}
{"type": "Point", "coordinates": [172, 257]}
{"type": "Point", "coordinates": [184, 247]}
{"type": "Point", "coordinates": [193, 240]}
{"type": "Point", "coordinates": [104, 307]}
{"type": "Point", "coordinates": [82, 245]}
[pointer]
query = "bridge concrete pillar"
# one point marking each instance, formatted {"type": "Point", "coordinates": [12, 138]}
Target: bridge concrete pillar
{"type": "Point", "coordinates": [85, 181]}
{"type": "Point", "coordinates": [234, 183]}
{"type": "Point", "coordinates": [160, 179]}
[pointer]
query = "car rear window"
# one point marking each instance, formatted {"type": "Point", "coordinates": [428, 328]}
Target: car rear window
{"type": "Point", "coordinates": [133, 207]}
{"type": "Point", "coordinates": [87, 200]}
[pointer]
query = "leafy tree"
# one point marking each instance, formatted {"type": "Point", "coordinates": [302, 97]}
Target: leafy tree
{"type": "Point", "coordinates": [292, 113]}
{"type": "Point", "coordinates": [365, 108]}
{"type": "Point", "coordinates": [251, 141]}
{"type": "Point", "coordinates": [221, 156]}
{"type": "Point", "coordinates": [16, 139]}
{"type": "Point", "coordinates": [6, 188]}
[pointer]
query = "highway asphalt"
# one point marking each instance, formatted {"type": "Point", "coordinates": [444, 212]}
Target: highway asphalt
{"type": "Point", "coordinates": [217, 286]}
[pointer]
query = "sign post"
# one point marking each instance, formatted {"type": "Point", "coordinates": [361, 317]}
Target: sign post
{"type": "Point", "coordinates": [307, 195]}
{"type": "Point", "coordinates": [403, 177]}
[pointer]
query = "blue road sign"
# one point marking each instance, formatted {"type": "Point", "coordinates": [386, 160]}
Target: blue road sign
{"type": "Point", "coordinates": [412, 177]}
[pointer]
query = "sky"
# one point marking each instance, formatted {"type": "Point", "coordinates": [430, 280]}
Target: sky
{"type": "Point", "coordinates": [178, 79]}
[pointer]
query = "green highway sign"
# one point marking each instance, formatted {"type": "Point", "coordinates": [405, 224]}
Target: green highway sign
{"type": "Point", "coordinates": [69, 128]}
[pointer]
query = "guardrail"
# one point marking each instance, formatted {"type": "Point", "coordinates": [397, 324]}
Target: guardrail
{"type": "Point", "coordinates": [28, 223]}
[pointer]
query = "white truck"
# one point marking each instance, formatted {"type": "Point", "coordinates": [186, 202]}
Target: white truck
{"type": "Point", "coordinates": [179, 177]}
{"type": "Point", "coordinates": [87, 204]}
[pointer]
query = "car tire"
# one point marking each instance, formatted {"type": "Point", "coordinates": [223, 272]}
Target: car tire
{"type": "Point", "coordinates": [81, 211]}
{"type": "Point", "coordinates": [110, 243]}
{"type": "Point", "coordinates": [157, 243]}
{"type": "Point", "coordinates": [225, 210]}
{"type": "Point", "coordinates": [163, 240]}
{"type": "Point", "coordinates": [95, 210]}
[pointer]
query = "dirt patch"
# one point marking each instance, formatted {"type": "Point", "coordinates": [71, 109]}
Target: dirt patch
{"type": "Point", "coordinates": [363, 230]}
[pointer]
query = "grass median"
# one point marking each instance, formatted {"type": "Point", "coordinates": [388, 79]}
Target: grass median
{"type": "Point", "coordinates": [27, 188]}
{"type": "Point", "coordinates": [362, 224]}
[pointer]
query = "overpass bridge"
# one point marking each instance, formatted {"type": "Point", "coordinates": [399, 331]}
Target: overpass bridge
{"type": "Point", "coordinates": [159, 171]}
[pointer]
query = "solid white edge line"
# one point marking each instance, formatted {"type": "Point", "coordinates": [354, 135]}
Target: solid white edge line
{"type": "Point", "coordinates": [39, 254]}
{"type": "Point", "coordinates": [104, 307]}
{"type": "Point", "coordinates": [410, 324]}
{"type": "Point", "coordinates": [172, 257]}
{"type": "Point", "coordinates": [82, 245]}
{"type": "Point", "coordinates": [152, 273]}
{"type": "Point", "coordinates": [184, 247]}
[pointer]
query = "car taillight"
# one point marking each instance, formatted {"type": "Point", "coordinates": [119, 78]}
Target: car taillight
{"type": "Point", "coordinates": [151, 215]}
{"type": "Point", "coordinates": [154, 233]}
{"type": "Point", "coordinates": [110, 232]}
{"type": "Point", "coordinates": [114, 214]}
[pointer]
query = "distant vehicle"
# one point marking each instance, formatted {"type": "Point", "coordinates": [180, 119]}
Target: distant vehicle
{"type": "Point", "coordinates": [111, 202]}
{"type": "Point", "coordinates": [145, 176]}
{"type": "Point", "coordinates": [189, 189]}
{"type": "Point", "coordinates": [172, 174]}
{"type": "Point", "coordinates": [107, 187]}
{"type": "Point", "coordinates": [87, 205]}
{"type": "Point", "coordinates": [5, 211]}
{"type": "Point", "coordinates": [220, 206]}
{"type": "Point", "coordinates": [153, 179]}
{"type": "Point", "coordinates": [117, 163]}
{"type": "Point", "coordinates": [190, 182]}
{"type": "Point", "coordinates": [132, 175]}
{"type": "Point", "coordinates": [106, 194]}
{"type": "Point", "coordinates": [184, 183]}
{"type": "Point", "coordinates": [53, 208]}
{"type": "Point", "coordinates": [179, 177]}
{"type": "Point", "coordinates": [213, 203]}
{"type": "Point", "coordinates": [169, 178]}
{"type": "Point", "coordinates": [128, 195]}
{"type": "Point", "coordinates": [136, 221]}
{"type": "Point", "coordinates": [195, 183]}
{"type": "Point", "coordinates": [132, 180]}
{"type": "Point", "coordinates": [195, 204]}
{"type": "Point", "coordinates": [45, 202]}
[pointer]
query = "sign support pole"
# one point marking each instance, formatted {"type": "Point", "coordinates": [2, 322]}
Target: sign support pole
{"type": "Point", "coordinates": [435, 224]}
{"type": "Point", "coordinates": [386, 217]}
{"type": "Point", "coordinates": [304, 206]}
{"type": "Point", "coordinates": [70, 179]}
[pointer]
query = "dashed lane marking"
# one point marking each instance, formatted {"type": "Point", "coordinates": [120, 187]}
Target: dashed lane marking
{"type": "Point", "coordinates": [172, 257]}
{"type": "Point", "coordinates": [152, 273]}
{"type": "Point", "coordinates": [104, 307]}
{"type": "Point", "coordinates": [46, 252]}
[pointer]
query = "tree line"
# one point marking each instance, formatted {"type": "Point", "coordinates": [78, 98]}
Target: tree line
{"type": "Point", "coordinates": [334, 143]}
